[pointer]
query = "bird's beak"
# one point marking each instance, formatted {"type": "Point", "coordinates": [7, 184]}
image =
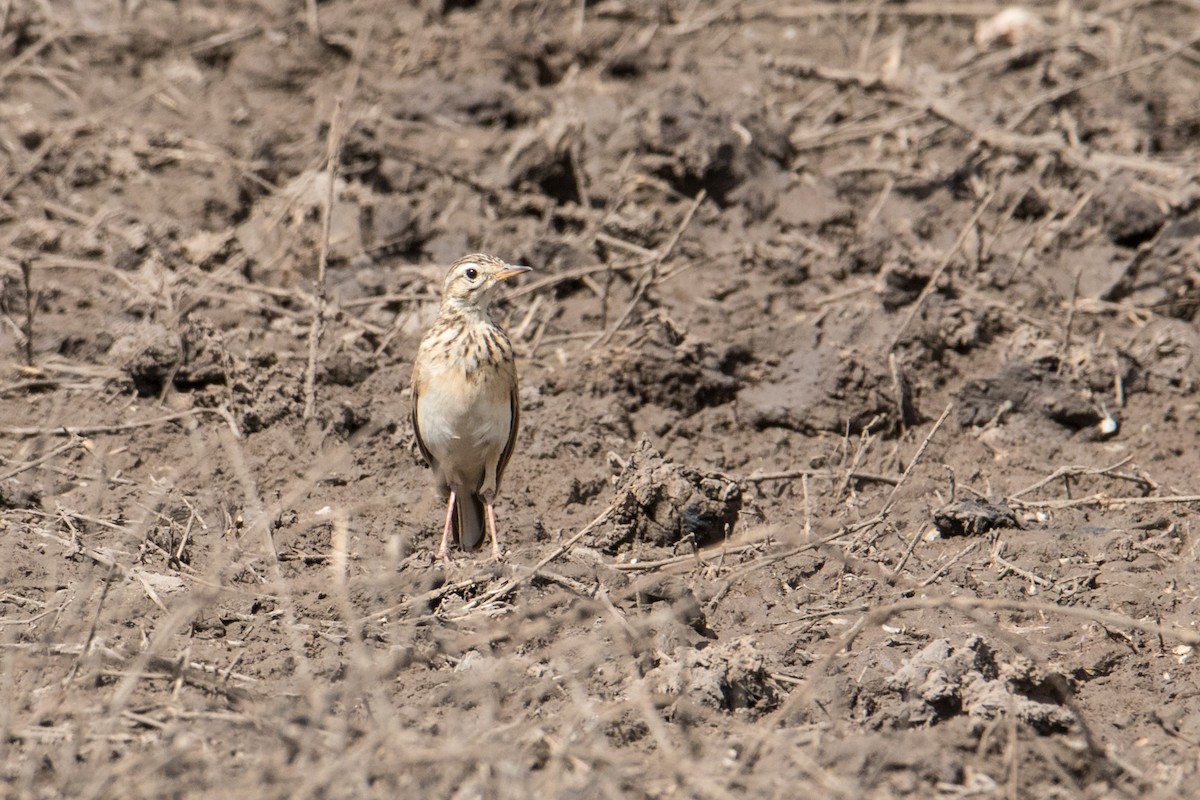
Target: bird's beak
{"type": "Point", "coordinates": [510, 272]}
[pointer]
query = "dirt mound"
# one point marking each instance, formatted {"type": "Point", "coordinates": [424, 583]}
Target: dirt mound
{"type": "Point", "coordinates": [663, 504]}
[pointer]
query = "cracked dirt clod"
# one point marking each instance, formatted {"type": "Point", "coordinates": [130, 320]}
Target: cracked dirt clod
{"type": "Point", "coordinates": [942, 681]}
{"type": "Point", "coordinates": [972, 517]}
{"type": "Point", "coordinates": [661, 503]}
{"type": "Point", "coordinates": [729, 677]}
{"type": "Point", "coordinates": [190, 358]}
{"type": "Point", "coordinates": [1028, 388]}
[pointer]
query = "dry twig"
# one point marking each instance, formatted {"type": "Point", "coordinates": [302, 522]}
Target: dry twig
{"type": "Point", "coordinates": [1075, 471]}
{"type": "Point", "coordinates": [333, 150]}
{"type": "Point", "coordinates": [916, 459]}
{"type": "Point", "coordinates": [37, 462]}
{"type": "Point", "coordinates": [513, 583]}
{"type": "Point", "coordinates": [1101, 500]}
{"type": "Point", "coordinates": [931, 286]}
{"type": "Point", "coordinates": [791, 474]}
{"type": "Point", "coordinates": [1057, 94]}
{"type": "Point", "coordinates": [93, 430]}
{"type": "Point", "coordinates": [647, 278]}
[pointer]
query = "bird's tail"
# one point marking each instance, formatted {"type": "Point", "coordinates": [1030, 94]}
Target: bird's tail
{"type": "Point", "coordinates": [468, 519]}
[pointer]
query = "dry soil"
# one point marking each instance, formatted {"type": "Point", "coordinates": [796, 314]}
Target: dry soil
{"type": "Point", "coordinates": [859, 386]}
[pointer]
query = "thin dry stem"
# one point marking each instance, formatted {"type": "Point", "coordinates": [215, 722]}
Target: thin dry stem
{"type": "Point", "coordinates": [513, 583]}
{"type": "Point", "coordinates": [916, 459]}
{"type": "Point", "coordinates": [931, 286]}
{"type": "Point", "coordinates": [792, 474]}
{"type": "Point", "coordinates": [37, 462]}
{"type": "Point", "coordinates": [332, 155]}
{"type": "Point", "coordinates": [1100, 500]}
{"type": "Point", "coordinates": [648, 276]}
{"type": "Point", "coordinates": [1072, 472]}
{"type": "Point", "coordinates": [1057, 94]}
{"type": "Point", "coordinates": [94, 430]}
{"type": "Point", "coordinates": [333, 152]}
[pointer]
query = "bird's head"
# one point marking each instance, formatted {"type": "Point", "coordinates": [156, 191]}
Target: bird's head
{"type": "Point", "coordinates": [473, 279]}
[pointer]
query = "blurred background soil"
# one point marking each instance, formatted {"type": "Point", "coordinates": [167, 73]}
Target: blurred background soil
{"type": "Point", "coordinates": [859, 387]}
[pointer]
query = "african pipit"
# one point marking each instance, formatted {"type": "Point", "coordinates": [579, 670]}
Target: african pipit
{"type": "Point", "coordinates": [465, 409]}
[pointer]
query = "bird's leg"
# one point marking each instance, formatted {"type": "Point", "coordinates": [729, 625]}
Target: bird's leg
{"type": "Point", "coordinates": [488, 497]}
{"type": "Point", "coordinates": [443, 548]}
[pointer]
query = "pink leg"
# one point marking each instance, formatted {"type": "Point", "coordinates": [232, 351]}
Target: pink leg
{"type": "Point", "coordinates": [444, 548]}
{"type": "Point", "coordinates": [491, 523]}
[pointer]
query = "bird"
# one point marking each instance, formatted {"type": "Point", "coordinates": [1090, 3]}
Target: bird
{"type": "Point", "coordinates": [465, 404]}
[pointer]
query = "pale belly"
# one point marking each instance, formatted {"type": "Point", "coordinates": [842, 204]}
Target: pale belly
{"type": "Point", "coordinates": [465, 426]}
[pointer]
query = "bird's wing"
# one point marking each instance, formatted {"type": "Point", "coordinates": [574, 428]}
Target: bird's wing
{"type": "Point", "coordinates": [416, 394]}
{"type": "Point", "coordinates": [515, 409]}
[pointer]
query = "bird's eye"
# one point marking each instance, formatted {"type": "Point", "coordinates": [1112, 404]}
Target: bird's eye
{"type": "Point", "coordinates": [471, 273]}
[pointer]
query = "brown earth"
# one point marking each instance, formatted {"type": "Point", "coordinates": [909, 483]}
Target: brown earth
{"type": "Point", "coordinates": [746, 552]}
